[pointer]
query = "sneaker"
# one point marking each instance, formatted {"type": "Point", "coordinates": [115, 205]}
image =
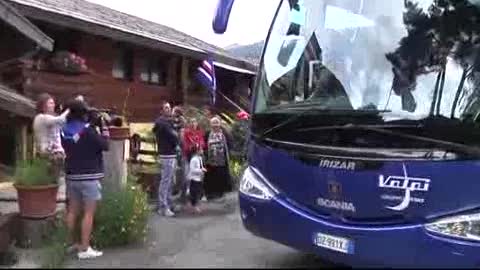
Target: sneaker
{"type": "Point", "coordinates": [90, 253]}
{"type": "Point", "coordinates": [168, 213]}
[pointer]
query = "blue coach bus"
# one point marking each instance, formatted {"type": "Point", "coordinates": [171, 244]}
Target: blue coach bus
{"type": "Point", "coordinates": [365, 132]}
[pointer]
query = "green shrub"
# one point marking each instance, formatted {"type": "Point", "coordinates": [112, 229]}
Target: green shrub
{"type": "Point", "coordinates": [237, 167]}
{"type": "Point", "coordinates": [34, 173]}
{"type": "Point", "coordinates": [239, 139]}
{"type": "Point", "coordinates": [121, 218]}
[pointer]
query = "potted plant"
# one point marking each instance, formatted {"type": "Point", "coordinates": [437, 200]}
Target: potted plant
{"type": "Point", "coordinates": [68, 63]}
{"type": "Point", "coordinates": [36, 189]}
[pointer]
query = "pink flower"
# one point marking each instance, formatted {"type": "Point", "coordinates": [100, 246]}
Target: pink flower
{"type": "Point", "coordinates": [243, 115]}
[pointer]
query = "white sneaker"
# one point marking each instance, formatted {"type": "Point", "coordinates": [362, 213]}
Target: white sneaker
{"type": "Point", "coordinates": [168, 213]}
{"type": "Point", "coordinates": [90, 253]}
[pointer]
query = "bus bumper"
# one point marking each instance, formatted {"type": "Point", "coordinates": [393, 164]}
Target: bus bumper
{"type": "Point", "coordinates": [395, 246]}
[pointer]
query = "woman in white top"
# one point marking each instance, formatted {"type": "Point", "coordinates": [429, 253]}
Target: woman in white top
{"type": "Point", "coordinates": [195, 175]}
{"type": "Point", "coordinates": [46, 128]}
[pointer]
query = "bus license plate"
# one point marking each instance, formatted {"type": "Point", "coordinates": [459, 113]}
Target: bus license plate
{"type": "Point", "coordinates": [335, 243]}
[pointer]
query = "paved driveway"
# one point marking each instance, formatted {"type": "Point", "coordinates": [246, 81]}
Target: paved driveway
{"type": "Point", "coordinates": [216, 239]}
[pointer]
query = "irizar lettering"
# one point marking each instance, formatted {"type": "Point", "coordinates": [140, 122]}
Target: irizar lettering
{"type": "Point", "coordinates": [337, 164]}
{"type": "Point", "coordinates": [339, 205]}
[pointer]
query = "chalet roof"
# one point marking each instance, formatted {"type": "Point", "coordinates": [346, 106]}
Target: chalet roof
{"type": "Point", "coordinates": [11, 16]}
{"type": "Point", "coordinates": [12, 102]}
{"type": "Point", "coordinates": [101, 20]}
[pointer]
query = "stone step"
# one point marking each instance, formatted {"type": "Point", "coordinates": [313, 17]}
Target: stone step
{"type": "Point", "coordinates": [6, 237]}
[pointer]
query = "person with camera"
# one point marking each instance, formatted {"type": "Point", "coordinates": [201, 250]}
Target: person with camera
{"type": "Point", "coordinates": [167, 144]}
{"type": "Point", "coordinates": [84, 170]}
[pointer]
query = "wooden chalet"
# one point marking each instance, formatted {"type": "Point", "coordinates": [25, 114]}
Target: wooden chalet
{"type": "Point", "coordinates": [131, 64]}
{"type": "Point", "coordinates": [117, 61]}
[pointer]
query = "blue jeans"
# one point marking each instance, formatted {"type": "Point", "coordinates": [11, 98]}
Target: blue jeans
{"type": "Point", "coordinates": [167, 171]}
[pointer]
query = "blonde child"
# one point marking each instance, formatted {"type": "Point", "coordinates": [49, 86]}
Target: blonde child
{"type": "Point", "coordinates": [195, 175]}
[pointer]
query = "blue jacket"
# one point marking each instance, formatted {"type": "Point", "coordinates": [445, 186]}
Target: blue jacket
{"type": "Point", "coordinates": [83, 148]}
{"type": "Point", "coordinates": [167, 138]}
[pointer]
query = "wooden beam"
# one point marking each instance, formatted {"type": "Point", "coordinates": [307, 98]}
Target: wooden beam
{"type": "Point", "coordinates": [16, 103]}
{"type": "Point", "coordinates": [11, 16]}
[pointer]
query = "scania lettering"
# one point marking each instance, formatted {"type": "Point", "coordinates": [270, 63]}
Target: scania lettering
{"type": "Point", "coordinates": [364, 143]}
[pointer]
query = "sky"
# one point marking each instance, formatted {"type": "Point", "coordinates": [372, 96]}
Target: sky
{"type": "Point", "coordinates": [249, 19]}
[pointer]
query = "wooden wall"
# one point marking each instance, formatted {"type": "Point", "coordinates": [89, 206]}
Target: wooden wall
{"type": "Point", "coordinates": [101, 89]}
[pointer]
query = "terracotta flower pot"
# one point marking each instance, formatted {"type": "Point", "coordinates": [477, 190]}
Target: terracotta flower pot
{"type": "Point", "coordinates": [37, 201]}
{"type": "Point", "coordinates": [119, 133]}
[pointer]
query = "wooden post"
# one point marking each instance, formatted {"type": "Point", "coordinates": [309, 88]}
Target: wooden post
{"type": "Point", "coordinates": [185, 79]}
{"type": "Point", "coordinates": [115, 160]}
{"type": "Point", "coordinates": [172, 73]}
{"type": "Point", "coordinates": [20, 129]}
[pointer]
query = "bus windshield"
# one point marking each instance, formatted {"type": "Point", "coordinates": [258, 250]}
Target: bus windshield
{"type": "Point", "coordinates": [409, 59]}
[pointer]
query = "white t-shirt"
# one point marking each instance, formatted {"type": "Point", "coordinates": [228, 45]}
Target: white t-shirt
{"type": "Point", "coordinates": [195, 172]}
{"type": "Point", "coordinates": [47, 130]}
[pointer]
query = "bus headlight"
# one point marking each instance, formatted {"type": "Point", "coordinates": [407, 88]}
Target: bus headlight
{"type": "Point", "coordinates": [465, 226]}
{"type": "Point", "coordinates": [253, 184]}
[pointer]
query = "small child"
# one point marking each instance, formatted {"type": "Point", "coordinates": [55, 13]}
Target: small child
{"type": "Point", "coordinates": [195, 175]}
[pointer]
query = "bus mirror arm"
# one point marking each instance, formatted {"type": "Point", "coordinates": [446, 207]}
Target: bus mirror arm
{"type": "Point", "coordinates": [222, 15]}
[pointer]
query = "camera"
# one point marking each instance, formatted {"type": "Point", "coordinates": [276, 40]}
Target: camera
{"type": "Point", "coordinates": [98, 118]}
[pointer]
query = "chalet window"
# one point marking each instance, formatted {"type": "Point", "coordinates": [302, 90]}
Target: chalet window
{"type": "Point", "coordinates": [123, 64]}
{"type": "Point", "coordinates": [154, 70]}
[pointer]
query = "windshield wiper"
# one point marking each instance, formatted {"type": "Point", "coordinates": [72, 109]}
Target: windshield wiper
{"type": "Point", "coordinates": [384, 130]}
{"type": "Point", "coordinates": [309, 109]}
{"type": "Point", "coordinates": [449, 145]}
{"type": "Point", "coordinates": [374, 126]}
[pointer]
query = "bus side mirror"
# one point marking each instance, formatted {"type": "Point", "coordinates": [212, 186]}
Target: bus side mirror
{"type": "Point", "coordinates": [221, 16]}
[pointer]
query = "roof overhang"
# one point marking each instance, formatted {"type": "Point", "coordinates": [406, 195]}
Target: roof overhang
{"type": "Point", "coordinates": [11, 16]}
{"type": "Point", "coordinates": [12, 102]}
{"type": "Point", "coordinates": [114, 32]}
{"type": "Point", "coordinates": [234, 69]}
{"type": "Point", "coordinates": [121, 33]}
